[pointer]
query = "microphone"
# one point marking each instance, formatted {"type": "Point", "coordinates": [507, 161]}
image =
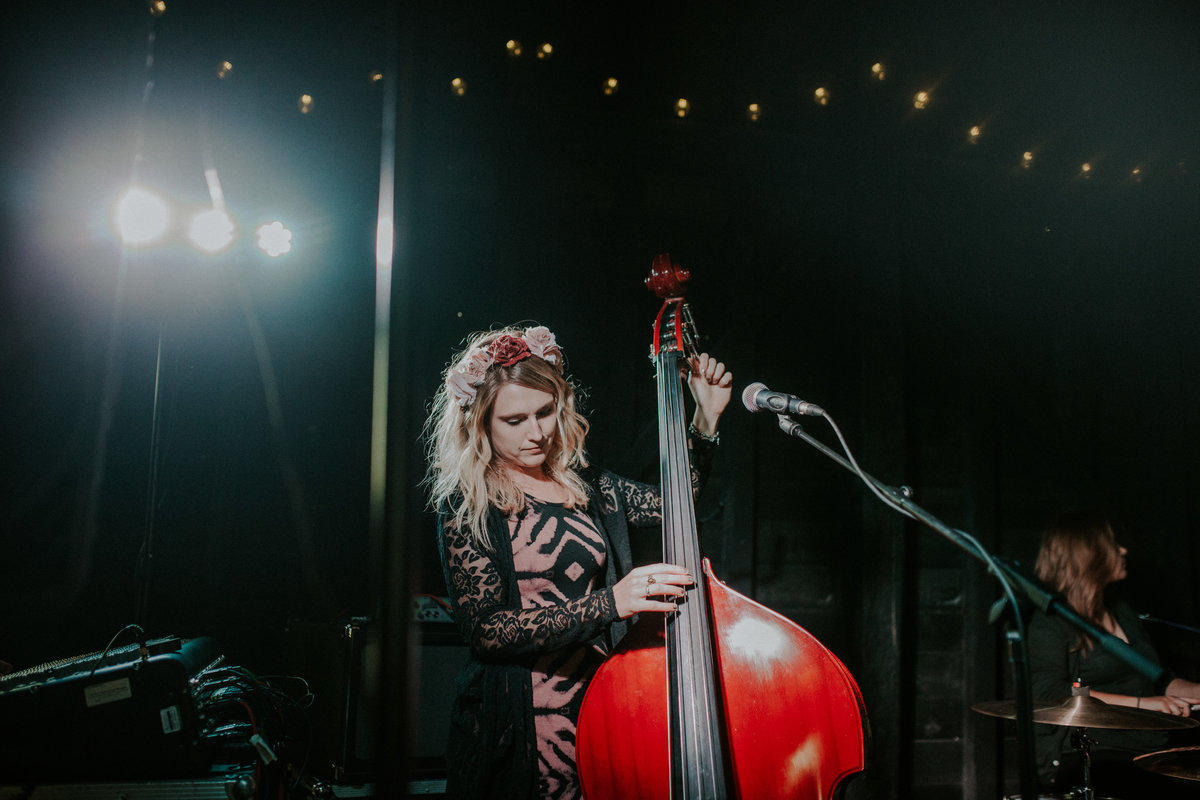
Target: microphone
{"type": "Point", "coordinates": [757, 397]}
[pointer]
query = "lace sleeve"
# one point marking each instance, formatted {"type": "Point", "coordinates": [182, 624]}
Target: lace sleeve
{"type": "Point", "coordinates": [643, 501]}
{"type": "Point", "coordinates": [488, 620]}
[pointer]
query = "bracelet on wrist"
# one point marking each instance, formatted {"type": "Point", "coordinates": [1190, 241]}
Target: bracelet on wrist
{"type": "Point", "coordinates": [711, 439]}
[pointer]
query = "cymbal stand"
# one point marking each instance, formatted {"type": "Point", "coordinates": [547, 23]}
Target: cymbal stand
{"type": "Point", "coordinates": [1083, 744]}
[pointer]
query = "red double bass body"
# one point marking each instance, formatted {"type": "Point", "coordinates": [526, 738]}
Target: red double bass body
{"type": "Point", "coordinates": [725, 698]}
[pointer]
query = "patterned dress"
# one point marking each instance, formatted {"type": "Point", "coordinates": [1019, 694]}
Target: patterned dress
{"type": "Point", "coordinates": [536, 608]}
{"type": "Point", "coordinates": [559, 556]}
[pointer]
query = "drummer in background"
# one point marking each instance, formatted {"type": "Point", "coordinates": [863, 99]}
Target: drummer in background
{"type": "Point", "coordinates": [1081, 559]}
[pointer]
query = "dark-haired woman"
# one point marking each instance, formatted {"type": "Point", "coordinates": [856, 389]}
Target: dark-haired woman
{"type": "Point", "coordinates": [1081, 559]}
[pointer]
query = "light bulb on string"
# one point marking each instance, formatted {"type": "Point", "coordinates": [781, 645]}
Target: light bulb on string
{"type": "Point", "coordinates": [682, 107]}
{"type": "Point", "coordinates": [821, 96]}
{"type": "Point", "coordinates": [921, 100]}
{"type": "Point", "coordinates": [754, 112]}
{"type": "Point", "coordinates": [973, 134]}
{"type": "Point", "coordinates": [224, 69]}
{"type": "Point", "coordinates": [458, 86]}
{"type": "Point", "coordinates": [610, 86]}
{"type": "Point", "coordinates": [305, 104]}
{"type": "Point", "coordinates": [878, 71]}
{"type": "Point", "coordinates": [513, 47]}
{"type": "Point", "coordinates": [545, 51]}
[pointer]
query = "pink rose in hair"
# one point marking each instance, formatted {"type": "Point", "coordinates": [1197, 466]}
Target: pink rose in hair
{"type": "Point", "coordinates": [477, 363]}
{"type": "Point", "coordinates": [507, 350]}
{"type": "Point", "coordinates": [542, 344]}
{"type": "Point", "coordinates": [461, 385]}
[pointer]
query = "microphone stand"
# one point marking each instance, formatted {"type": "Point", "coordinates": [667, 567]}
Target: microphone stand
{"type": "Point", "coordinates": [1009, 576]}
{"type": "Point", "coordinates": [1177, 625]}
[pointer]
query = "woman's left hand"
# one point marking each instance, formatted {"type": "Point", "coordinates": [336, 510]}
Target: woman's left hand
{"type": "Point", "coordinates": [711, 387]}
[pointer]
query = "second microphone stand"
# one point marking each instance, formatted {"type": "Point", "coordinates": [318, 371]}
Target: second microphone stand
{"type": "Point", "coordinates": [1010, 578]}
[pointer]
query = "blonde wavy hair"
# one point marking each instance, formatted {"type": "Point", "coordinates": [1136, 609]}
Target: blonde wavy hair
{"type": "Point", "coordinates": [1079, 557]}
{"type": "Point", "coordinates": [464, 476]}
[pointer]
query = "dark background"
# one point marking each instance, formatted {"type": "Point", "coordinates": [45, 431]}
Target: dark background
{"type": "Point", "coordinates": [1007, 341]}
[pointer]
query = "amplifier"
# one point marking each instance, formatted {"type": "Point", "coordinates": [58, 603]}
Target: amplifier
{"type": "Point", "coordinates": [124, 714]}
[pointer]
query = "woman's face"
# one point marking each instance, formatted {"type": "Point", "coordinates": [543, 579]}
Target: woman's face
{"type": "Point", "coordinates": [522, 426]}
{"type": "Point", "coordinates": [1119, 570]}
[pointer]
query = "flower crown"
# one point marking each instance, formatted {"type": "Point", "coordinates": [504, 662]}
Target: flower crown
{"type": "Point", "coordinates": [463, 380]}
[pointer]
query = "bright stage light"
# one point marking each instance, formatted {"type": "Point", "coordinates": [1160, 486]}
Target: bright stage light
{"type": "Point", "coordinates": [273, 239]}
{"type": "Point", "coordinates": [211, 231]}
{"type": "Point", "coordinates": [140, 217]}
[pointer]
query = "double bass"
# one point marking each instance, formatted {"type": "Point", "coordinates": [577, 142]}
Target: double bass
{"type": "Point", "coordinates": [724, 698]}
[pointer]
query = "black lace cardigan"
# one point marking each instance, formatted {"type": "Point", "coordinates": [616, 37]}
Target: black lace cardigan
{"type": "Point", "coordinates": [491, 751]}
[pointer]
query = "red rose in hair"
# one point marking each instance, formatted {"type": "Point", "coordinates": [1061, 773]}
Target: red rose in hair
{"type": "Point", "coordinates": [508, 350]}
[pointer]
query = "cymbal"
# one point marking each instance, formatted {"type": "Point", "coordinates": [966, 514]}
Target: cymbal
{"type": "Point", "coordinates": [1082, 711]}
{"type": "Point", "coordinates": [1178, 762]}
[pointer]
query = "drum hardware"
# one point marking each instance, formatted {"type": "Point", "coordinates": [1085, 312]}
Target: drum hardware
{"type": "Point", "coordinates": [1084, 711]}
{"type": "Point", "coordinates": [1178, 762]}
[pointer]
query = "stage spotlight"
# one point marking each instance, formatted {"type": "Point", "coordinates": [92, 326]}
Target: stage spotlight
{"type": "Point", "coordinates": [211, 231]}
{"type": "Point", "coordinates": [273, 239]}
{"type": "Point", "coordinates": [140, 216]}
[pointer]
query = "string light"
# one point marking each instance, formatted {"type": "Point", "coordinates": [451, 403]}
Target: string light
{"type": "Point", "coordinates": [821, 96]}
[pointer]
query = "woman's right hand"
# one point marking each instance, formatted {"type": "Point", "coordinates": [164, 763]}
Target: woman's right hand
{"type": "Point", "coordinates": [1169, 704]}
{"type": "Point", "coordinates": [635, 593]}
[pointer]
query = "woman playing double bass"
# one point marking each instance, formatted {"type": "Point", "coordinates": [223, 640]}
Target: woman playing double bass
{"type": "Point", "coordinates": [534, 544]}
